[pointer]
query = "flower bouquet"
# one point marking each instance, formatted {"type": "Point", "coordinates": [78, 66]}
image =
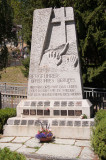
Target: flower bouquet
{"type": "Point", "coordinates": [44, 135]}
{"type": "Point", "coordinates": [83, 116]}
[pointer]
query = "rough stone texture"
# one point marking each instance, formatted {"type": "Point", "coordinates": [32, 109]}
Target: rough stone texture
{"type": "Point", "coordinates": [20, 139]}
{"type": "Point", "coordinates": [87, 154]}
{"type": "Point", "coordinates": [65, 141]}
{"type": "Point", "coordinates": [62, 151]}
{"type": "Point", "coordinates": [24, 149]}
{"type": "Point", "coordinates": [84, 143]}
{"type": "Point", "coordinates": [33, 143]}
{"type": "Point", "coordinates": [11, 146]}
{"type": "Point", "coordinates": [6, 139]}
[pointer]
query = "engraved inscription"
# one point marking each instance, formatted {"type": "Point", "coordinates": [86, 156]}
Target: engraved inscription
{"type": "Point", "coordinates": [62, 123]}
{"type": "Point", "coordinates": [47, 103]}
{"type": "Point", "coordinates": [33, 103]}
{"type": "Point", "coordinates": [85, 123]}
{"type": "Point", "coordinates": [70, 103]}
{"type": "Point", "coordinates": [69, 123]}
{"type": "Point", "coordinates": [77, 123]}
{"type": "Point", "coordinates": [63, 112]}
{"type": "Point", "coordinates": [40, 103]}
{"type": "Point", "coordinates": [25, 111]}
{"type": "Point", "coordinates": [30, 122]}
{"type": "Point", "coordinates": [46, 112]}
{"type": "Point", "coordinates": [64, 103]}
{"type": "Point", "coordinates": [56, 103]}
{"type": "Point", "coordinates": [70, 112]}
{"type": "Point", "coordinates": [23, 122]}
{"type": "Point", "coordinates": [32, 112]}
{"type": "Point", "coordinates": [16, 122]}
{"type": "Point", "coordinates": [55, 123]}
{"type": "Point", "coordinates": [78, 112]}
{"type": "Point", "coordinates": [56, 112]}
{"type": "Point", "coordinates": [39, 112]}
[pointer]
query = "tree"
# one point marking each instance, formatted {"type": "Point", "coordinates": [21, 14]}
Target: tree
{"type": "Point", "coordinates": [6, 34]}
{"type": "Point", "coordinates": [90, 18]}
{"type": "Point", "coordinates": [90, 24]}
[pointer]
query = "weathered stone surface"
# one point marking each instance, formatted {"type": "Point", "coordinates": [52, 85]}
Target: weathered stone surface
{"type": "Point", "coordinates": [33, 142]}
{"type": "Point", "coordinates": [77, 123]}
{"type": "Point", "coordinates": [37, 123]}
{"type": "Point", "coordinates": [23, 122]}
{"type": "Point", "coordinates": [56, 112]}
{"type": "Point", "coordinates": [25, 149]}
{"type": "Point", "coordinates": [69, 123]}
{"type": "Point", "coordinates": [65, 141]}
{"type": "Point", "coordinates": [30, 122]}
{"type": "Point", "coordinates": [62, 123]}
{"type": "Point", "coordinates": [16, 122]}
{"type": "Point", "coordinates": [11, 146]}
{"type": "Point", "coordinates": [63, 112]}
{"type": "Point", "coordinates": [10, 122]}
{"type": "Point", "coordinates": [46, 112]}
{"type": "Point", "coordinates": [85, 123]}
{"type": "Point", "coordinates": [78, 112]}
{"type": "Point", "coordinates": [70, 112]}
{"type": "Point", "coordinates": [32, 112]}
{"type": "Point", "coordinates": [84, 143]}
{"type": "Point", "coordinates": [26, 111]}
{"type": "Point", "coordinates": [26, 103]}
{"type": "Point", "coordinates": [87, 153]}
{"type": "Point", "coordinates": [20, 139]}
{"type": "Point", "coordinates": [55, 123]}
{"type": "Point", "coordinates": [33, 103]}
{"type": "Point", "coordinates": [39, 112]}
{"type": "Point", "coordinates": [6, 139]}
{"type": "Point", "coordinates": [59, 151]}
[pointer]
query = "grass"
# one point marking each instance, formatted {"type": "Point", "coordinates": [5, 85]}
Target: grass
{"type": "Point", "coordinates": [13, 75]}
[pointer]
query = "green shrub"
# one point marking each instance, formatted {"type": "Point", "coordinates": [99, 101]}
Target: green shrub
{"type": "Point", "coordinates": [98, 139]}
{"type": "Point", "coordinates": [99, 116]}
{"type": "Point", "coordinates": [4, 115]}
{"type": "Point", "coordinates": [6, 154]}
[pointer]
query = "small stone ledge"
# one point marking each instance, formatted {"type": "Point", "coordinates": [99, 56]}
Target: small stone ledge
{"type": "Point", "coordinates": [53, 122]}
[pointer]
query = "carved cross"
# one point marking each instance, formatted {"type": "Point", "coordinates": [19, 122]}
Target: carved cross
{"type": "Point", "coordinates": [63, 21]}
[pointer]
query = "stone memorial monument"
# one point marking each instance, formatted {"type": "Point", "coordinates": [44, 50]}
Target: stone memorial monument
{"type": "Point", "coordinates": [55, 93]}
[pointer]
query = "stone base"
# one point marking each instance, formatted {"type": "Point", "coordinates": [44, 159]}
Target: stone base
{"type": "Point", "coordinates": [54, 108]}
{"type": "Point", "coordinates": [61, 127]}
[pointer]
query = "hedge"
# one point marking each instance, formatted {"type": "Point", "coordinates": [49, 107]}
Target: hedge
{"type": "Point", "coordinates": [6, 154]}
{"type": "Point", "coordinates": [4, 115]}
{"type": "Point", "coordinates": [99, 135]}
{"type": "Point", "coordinates": [99, 116]}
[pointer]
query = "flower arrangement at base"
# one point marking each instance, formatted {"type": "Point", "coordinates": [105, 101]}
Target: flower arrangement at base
{"type": "Point", "coordinates": [83, 116]}
{"type": "Point", "coordinates": [44, 135]}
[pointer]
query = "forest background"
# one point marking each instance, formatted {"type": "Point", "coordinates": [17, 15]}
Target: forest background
{"type": "Point", "coordinates": [90, 19]}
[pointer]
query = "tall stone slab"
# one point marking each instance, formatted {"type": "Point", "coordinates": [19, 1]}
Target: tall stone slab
{"type": "Point", "coordinates": [54, 67]}
{"type": "Point", "coordinates": [54, 86]}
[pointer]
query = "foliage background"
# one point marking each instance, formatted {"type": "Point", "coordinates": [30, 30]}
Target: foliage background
{"type": "Point", "coordinates": [90, 18]}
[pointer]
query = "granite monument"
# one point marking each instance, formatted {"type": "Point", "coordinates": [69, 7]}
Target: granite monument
{"type": "Point", "coordinates": [55, 93]}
